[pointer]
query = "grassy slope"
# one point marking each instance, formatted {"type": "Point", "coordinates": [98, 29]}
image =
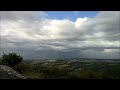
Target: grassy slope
{"type": "Point", "coordinates": [70, 70]}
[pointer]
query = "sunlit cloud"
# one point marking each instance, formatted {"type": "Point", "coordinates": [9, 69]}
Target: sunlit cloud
{"type": "Point", "coordinates": [32, 33]}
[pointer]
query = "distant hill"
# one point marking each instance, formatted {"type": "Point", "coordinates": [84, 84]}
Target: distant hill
{"type": "Point", "coordinates": [89, 59]}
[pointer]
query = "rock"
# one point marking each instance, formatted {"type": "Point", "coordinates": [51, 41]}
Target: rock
{"type": "Point", "coordinates": [7, 72]}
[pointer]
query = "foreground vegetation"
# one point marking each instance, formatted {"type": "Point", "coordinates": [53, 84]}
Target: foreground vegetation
{"type": "Point", "coordinates": [69, 70]}
{"type": "Point", "coordinates": [64, 69]}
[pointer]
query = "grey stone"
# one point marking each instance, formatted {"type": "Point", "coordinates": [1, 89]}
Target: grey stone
{"type": "Point", "coordinates": [7, 72]}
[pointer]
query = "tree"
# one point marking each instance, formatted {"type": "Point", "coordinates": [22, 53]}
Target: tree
{"type": "Point", "coordinates": [11, 59]}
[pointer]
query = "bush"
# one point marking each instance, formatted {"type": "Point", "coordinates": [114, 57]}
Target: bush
{"type": "Point", "coordinates": [11, 59]}
{"type": "Point", "coordinates": [22, 67]}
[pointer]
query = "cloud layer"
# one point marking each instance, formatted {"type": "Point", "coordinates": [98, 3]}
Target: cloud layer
{"type": "Point", "coordinates": [33, 35]}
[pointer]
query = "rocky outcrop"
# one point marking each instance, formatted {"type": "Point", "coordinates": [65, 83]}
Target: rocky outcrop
{"type": "Point", "coordinates": [7, 72]}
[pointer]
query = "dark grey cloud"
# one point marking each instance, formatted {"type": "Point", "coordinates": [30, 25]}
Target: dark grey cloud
{"type": "Point", "coordinates": [34, 37]}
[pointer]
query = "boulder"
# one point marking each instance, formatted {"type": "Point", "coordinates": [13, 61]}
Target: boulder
{"type": "Point", "coordinates": [7, 72]}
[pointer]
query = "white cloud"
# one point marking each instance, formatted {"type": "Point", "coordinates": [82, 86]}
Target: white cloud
{"type": "Point", "coordinates": [34, 31]}
{"type": "Point", "coordinates": [76, 11]}
{"type": "Point", "coordinates": [111, 50]}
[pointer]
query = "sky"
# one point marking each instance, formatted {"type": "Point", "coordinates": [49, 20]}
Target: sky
{"type": "Point", "coordinates": [60, 34]}
{"type": "Point", "coordinates": [71, 15]}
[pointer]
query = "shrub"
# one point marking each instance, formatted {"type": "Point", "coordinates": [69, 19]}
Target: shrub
{"type": "Point", "coordinates": [22, 67]}
{"type": "Point", "coordinates": [11, 59]}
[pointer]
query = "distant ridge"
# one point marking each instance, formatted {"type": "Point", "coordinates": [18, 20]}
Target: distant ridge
{"type": "Point", "coordinates": [75, 59]}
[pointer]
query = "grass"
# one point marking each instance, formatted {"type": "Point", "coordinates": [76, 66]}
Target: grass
{"type": "Point", "coordinates": [61, 70]}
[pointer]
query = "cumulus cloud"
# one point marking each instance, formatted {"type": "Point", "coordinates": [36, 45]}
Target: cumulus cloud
{"type": "Point", "coordinates": [33, 35]}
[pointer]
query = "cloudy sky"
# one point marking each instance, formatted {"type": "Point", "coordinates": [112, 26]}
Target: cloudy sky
{"type": "Point", "coordinates": [60, 34]}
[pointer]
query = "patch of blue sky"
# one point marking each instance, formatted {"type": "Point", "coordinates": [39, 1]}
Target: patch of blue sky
{"type": "Point", "coordinates": [71, 15]}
